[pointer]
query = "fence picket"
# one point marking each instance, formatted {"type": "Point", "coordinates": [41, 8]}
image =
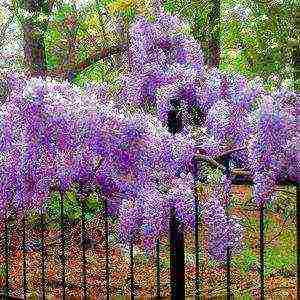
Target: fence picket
{"type": "Point", "coordinates": [6, 241]}
{"type": "Point", "coordinates": [24, 256]}
{"type": "Point", "coordinates": [261, 250]}
{"type": "Point", "coordinates": [83, 238]}
{"type": "Point", "coordinates": [106, 249]}
{"type": "Point", "coordinates": [158, 269]}
{"type": "Point", "coordinates": [197, 251]}
{"type": "Point", "coordinates": [131, 271]}
{"type": "Point", "coordinates": [43, 254]}
{"type": "Point", "coordinates": [62, 246]}
{"type": "Point", "coordinates": [228, 250]}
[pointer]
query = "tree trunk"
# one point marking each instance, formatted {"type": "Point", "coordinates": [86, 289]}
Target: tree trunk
{"type": "Point", "coordinates": [34, 49]}
{"type": "Point", "coordinates": [214, 43]}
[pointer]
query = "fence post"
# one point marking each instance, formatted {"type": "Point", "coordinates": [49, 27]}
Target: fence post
{"type": "Point", "coordinates": [158, 269]}
{"type": "Point", "coordinates": [261, 250]}
{"type": "Point", "coordinates": [228, 250]}
{"type": "Point", "coordinates": [106, 248]}
{"type": "Point", "coordinates": [176, 258]}
{"type": "Point", "coordinates": [6, 241]}
{"type": "Point", "coordinates": [196, 179]}
{"type": "Point", "coordinates": [176, 236]}
{"type": "Point", "coordinates": [131, 271]}
{"type": "Point", "coordinates": [62, 245]}
{"type": "Point", "coordinates": [24, 255]}
{"type": "Point", "coordinates": [297, 235]}
{"type": "Point", "coordinates": [83, 238]}
{"type": "Point", "coordinates": [43, 226]}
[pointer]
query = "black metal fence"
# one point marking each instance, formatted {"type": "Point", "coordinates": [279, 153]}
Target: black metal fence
{"type": "Point", "coordinates": [177, 267]}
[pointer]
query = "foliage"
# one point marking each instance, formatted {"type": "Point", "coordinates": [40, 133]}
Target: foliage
{"type": "Point", "coordinates": [246, 260]}
{"type": "Point", "coordinates": [72, 206]}
{"type": "Point", "coordinates": [256, 39]}
{"type": "Point", "coordinates": [2, 270]}
{"type": "Point", "coordinates": [81, 135]}
{"type": "Point", "coordinates": [259, 43]}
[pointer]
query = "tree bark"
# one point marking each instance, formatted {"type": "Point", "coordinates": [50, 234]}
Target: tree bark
{"type": "Point", "coordinates": [214, 43]}
{"type": "Point", "coordinates": [34, 50]}
{"type": "Point", "coordinates": [34, 47]}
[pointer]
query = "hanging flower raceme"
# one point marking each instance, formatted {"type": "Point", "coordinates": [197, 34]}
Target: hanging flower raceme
{"type": "Point", "coordinates": [182, 198]}
{"type": "Point", "coordinates": [273, 150]}
{"type": "Point", "coordinates": [155, 216]}
{"type": "Point", "coordinates": [158, 63]}
{"type": "Point", "coordinates": [143, 53]}
{"type": "Point", "coordinates": [223, 231]}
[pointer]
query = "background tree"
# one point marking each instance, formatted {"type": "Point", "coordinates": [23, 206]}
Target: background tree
{"type": "Point", "coordinates": [33, 16]}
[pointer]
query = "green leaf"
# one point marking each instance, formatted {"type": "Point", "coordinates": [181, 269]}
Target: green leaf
{"type": "Point", "coordinates": [52, 35]}
{"type": "Point", "coordinates": [52, 61]}
{"type": "Point", "coordinates": [129, 14]}
{"type": "Point", "coordinates": [169, 6]}
{"type": "Point", "coordinates": [3, 270]}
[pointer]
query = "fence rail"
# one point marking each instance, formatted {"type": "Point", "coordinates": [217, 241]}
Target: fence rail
{"type": "Point", "coordinates": [176, 274]}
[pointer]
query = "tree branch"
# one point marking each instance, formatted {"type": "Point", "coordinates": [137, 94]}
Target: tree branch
{"type": "Point", "coordinates": [241, 172]}
{"type": "Point", "coordinates": [93, 58]}
{"type": "Point", "coordinates": [211, 160]}
{"type": "Point", "coordinates": [228, 152]}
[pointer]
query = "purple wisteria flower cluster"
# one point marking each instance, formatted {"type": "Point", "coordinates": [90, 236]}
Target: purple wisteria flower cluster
{"type": "Point", "coordinates": [220, 111]}
{"type": "Point", "coordinates": [57, 135]}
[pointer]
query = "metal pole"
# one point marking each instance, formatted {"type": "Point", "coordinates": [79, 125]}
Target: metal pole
{"type": "Point", "coordinates": [158, 269]}
{"type": "Point", "coordinates": [62, 246]}
{"type": "Point", "coordinates": [298, 236]}
{"type": "Point", "coordinates": [176, 258]}
{"type": "Point", "coordinates": [197, 279]}
{"type": "Point", "coordinates": [24, 256]}
{"type": "Point", "coordinates": [106, 248]}
{"type": "Point", "coordinates": [176, 237]}
{"type": "Point", "coordinates": [83, 234]}
{"type": "Point", "coordinates": [43, 254]}
{"type": "Point", "coordinates": [131, 271]}
{"type": "Point", "coordinates": [228, 250]}
{"type": "Point", "coordinates": [261, 248]}
{"type": "Point", "coordinates": [6, 288]}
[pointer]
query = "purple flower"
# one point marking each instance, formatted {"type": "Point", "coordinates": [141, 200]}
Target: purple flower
{"type": "Point", "coordinates": [223, 232]}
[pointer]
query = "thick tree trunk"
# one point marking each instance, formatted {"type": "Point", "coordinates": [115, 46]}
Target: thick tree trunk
{"type": "Point", "coordinates": [34, 47]}
{"type": "Point", "coordinates": [34, 50]}
{"type": "Point", "coordinates": [214, 43]}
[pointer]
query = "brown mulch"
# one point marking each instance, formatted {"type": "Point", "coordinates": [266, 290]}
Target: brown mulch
{"type": "Point", "coordinates": [144, 270]}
